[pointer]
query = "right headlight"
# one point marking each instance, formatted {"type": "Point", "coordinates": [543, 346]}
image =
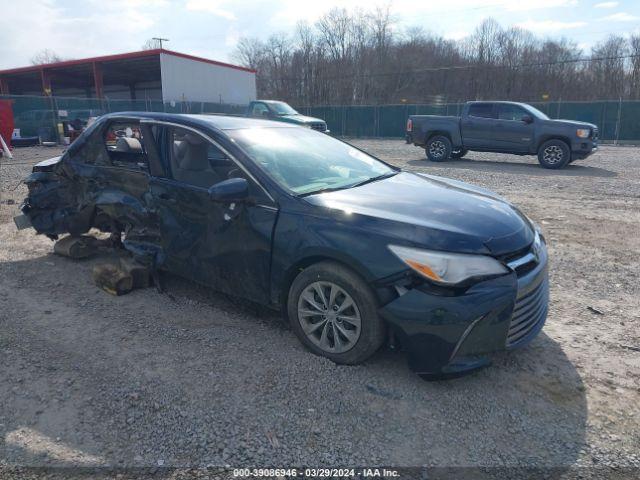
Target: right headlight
{"type": "Point", "coordinates": [448, 268]}
{"type": "Point", "coordinates": [583, 132]}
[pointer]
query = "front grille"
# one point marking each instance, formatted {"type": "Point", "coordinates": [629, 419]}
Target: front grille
{"type": "Point", "coordinates": [529, 311]}
{"type": "Point", "coordinates": [321, 127]}
{"type": "Point", "coordinates": [522, 262]}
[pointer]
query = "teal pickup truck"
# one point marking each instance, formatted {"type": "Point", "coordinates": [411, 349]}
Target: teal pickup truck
{"type": "Point", "coordinates": [282, 112]}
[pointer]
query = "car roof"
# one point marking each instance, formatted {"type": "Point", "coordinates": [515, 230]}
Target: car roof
{"type": "Point", "coordinates": [504, 102]}
{"type": "Point", "coordinates": [220, 122]}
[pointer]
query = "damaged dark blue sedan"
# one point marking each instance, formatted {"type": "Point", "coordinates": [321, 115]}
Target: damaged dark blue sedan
{"type": "Point", "coordinates": [354, 251]}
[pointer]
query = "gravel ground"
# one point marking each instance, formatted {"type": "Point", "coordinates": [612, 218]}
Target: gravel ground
{"type": "Point", "coordinates": [192, 378]}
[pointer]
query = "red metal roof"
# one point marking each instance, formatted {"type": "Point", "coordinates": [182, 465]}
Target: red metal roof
{"type": "Point", "coordinates": [121, 56]}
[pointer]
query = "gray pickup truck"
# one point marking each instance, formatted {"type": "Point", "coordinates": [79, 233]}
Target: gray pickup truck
{"type": "Point", "coordinates": [504, 127]}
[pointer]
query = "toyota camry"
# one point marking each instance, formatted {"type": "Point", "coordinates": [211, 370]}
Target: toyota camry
{"type": "Point", "coordinates": [355, 252]}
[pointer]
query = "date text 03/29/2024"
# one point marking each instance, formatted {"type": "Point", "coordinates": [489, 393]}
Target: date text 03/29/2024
{"type": "Point", "coordinates": [316, 472]}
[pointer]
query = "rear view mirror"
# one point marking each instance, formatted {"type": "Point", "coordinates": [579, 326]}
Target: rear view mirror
{"type": "Point", "coordinates": [232, 190]}
{"type": "Point", "coordinates": [527, 119]}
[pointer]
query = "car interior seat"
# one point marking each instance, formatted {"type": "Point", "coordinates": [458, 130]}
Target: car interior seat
{"type": "Point", "coordinates": [128, 145]}
{"type": "Point", "coordinates": [192, 162]}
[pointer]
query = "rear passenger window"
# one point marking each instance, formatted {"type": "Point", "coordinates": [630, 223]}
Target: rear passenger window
{"type": "Point", "coordinates": [125, 146]}
{"type": "Point", "coordinates": [481, 110]}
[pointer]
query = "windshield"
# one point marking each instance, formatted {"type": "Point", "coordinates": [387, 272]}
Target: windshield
{"type": "Point", "coordinates": [537, 113]}
{"type": "Point", "coordinates": [281, 108]}
{"type": "Point", "coordinates": [304, 161]}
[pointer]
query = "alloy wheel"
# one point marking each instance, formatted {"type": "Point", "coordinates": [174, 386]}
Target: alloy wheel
{"type": "Point", "coordinates": [329, 317]}
{"type": "Point", "coordinates": [553, 154]}
{"type": "Point", "coordinates": [437, 149]}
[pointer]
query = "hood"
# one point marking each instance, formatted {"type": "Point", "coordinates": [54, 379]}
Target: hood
{"type": "Point", "coordinates": [298, 118]}
{"type": "Point", "coordinates": [435, 213]}
{"type": "Point", "coordinates": [573, 123]}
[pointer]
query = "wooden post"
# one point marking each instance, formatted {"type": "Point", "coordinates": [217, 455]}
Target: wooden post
{"type": "Point", "coordinates": [45, 76]}
{"type": "Point", "coordinates": [98, 79]}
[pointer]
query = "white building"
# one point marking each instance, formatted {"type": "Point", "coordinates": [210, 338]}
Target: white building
{"type": "Point", "coordinates": [147, 75]}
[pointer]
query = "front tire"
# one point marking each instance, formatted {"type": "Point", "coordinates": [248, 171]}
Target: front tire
{"type": "Point", "coordinates": [438, 148]}
{"type": "Point", "coordinates": [333, 312]}
{"type": "Point", "coordinates": [554, 154]}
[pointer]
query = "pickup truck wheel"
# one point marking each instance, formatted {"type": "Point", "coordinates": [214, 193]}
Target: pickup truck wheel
{"type": "Point", "coordinates": [459, 152]}
{"type": "Point", "coordinates": [438, 148]}
{"type": "Point", "coordinates": [334, 313]}
{"type": "Point", "coordinates": [554, 154]}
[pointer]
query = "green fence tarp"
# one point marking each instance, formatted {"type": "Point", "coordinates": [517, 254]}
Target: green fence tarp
{"type": "Point", "coordinates": [617, 120]}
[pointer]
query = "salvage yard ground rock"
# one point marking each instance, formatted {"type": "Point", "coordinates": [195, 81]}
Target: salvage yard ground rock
{"type": "Point", "coordinates": [194, 378]}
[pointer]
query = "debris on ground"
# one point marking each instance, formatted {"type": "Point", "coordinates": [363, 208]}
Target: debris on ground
{"type": "Point", "coordinates": [139, 273]}
{"type": "Point", "coordinates": [112, 279]}
{"type": "Point", "coordinates": [76, 247]}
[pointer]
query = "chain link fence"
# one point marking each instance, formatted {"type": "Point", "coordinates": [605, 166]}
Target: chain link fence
{"type": "Point", "coordinates": [39, 116]}
{"type": "Point", "coordinates": [618, 121]}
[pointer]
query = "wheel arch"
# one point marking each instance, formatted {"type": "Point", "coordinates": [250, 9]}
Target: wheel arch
{"type": "Point", "coordinates": [434, 133]}
{"type": "Point", "coordinates": [545, 138]}
{"type": "Point", "coordinates": [313, 258]}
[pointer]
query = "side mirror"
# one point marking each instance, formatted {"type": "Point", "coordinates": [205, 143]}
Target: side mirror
{"type": "Point", "coordinates": [527, 119]}
{"type": "Point", "coordinates": [232, 190]}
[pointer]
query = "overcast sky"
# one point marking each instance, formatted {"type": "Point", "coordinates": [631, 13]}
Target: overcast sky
{"type": "Point", "coordinates": [211, 28]}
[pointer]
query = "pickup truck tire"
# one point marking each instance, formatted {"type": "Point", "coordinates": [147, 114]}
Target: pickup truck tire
{"type": "Point", "coordinates": [318, 300]}
{"type": "Point", "coordinates": [554, 154]}
{"type": "Point", "coordinates": [438, 148]}
{"type": "Point", "coordinates": [459, 152]}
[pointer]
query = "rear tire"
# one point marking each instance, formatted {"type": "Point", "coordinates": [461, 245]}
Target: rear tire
{"type": "Point", "coordinates": [317, 298]}
{"type": "Point", "coordinates": [438, 148]}
{"type": "Point", "coordinates": [554, 154]}
{"type": "Point", "coordinates": [459, 152]}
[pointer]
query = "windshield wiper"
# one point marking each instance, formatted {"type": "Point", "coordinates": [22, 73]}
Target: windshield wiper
{"type": "Point", "coordinates": [373, 179]}
{"type": "Point", "coordinates": [323, 190]}
{"type": "Point", "coordinates": [344, 187]}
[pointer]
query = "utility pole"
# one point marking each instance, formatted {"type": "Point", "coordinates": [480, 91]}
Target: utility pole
{"type": "Point", "coordinates": [160, 40]}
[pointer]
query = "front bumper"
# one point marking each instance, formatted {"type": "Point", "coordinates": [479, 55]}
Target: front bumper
{"type": "Point", "coordinates": [454, 334]}
{"type": "Point", "coordinates": [581, 149]}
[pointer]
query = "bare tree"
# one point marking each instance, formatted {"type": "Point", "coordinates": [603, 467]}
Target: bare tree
{"type": "Point", "coordinates": [249, 52]}
{"type": "Point", "coordinates": [634, 81]}
{"type": "Point", "coordinates": [608, 70]}
{"type": "Point", "coordinates": [360, 57]}
{"type": "Point", "coordinates": [45, 56]}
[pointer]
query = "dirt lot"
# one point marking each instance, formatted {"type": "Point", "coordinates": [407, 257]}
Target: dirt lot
{"type": "Point", "coordinates": [194, 378]}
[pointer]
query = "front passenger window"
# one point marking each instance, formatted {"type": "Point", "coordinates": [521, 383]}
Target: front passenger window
{"type": "Point", "coordinates": [260, 110]}
{"type": "Point", "coordinates": [196, 161]}
{"type": "Point", "coordinates": [511, 112]}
